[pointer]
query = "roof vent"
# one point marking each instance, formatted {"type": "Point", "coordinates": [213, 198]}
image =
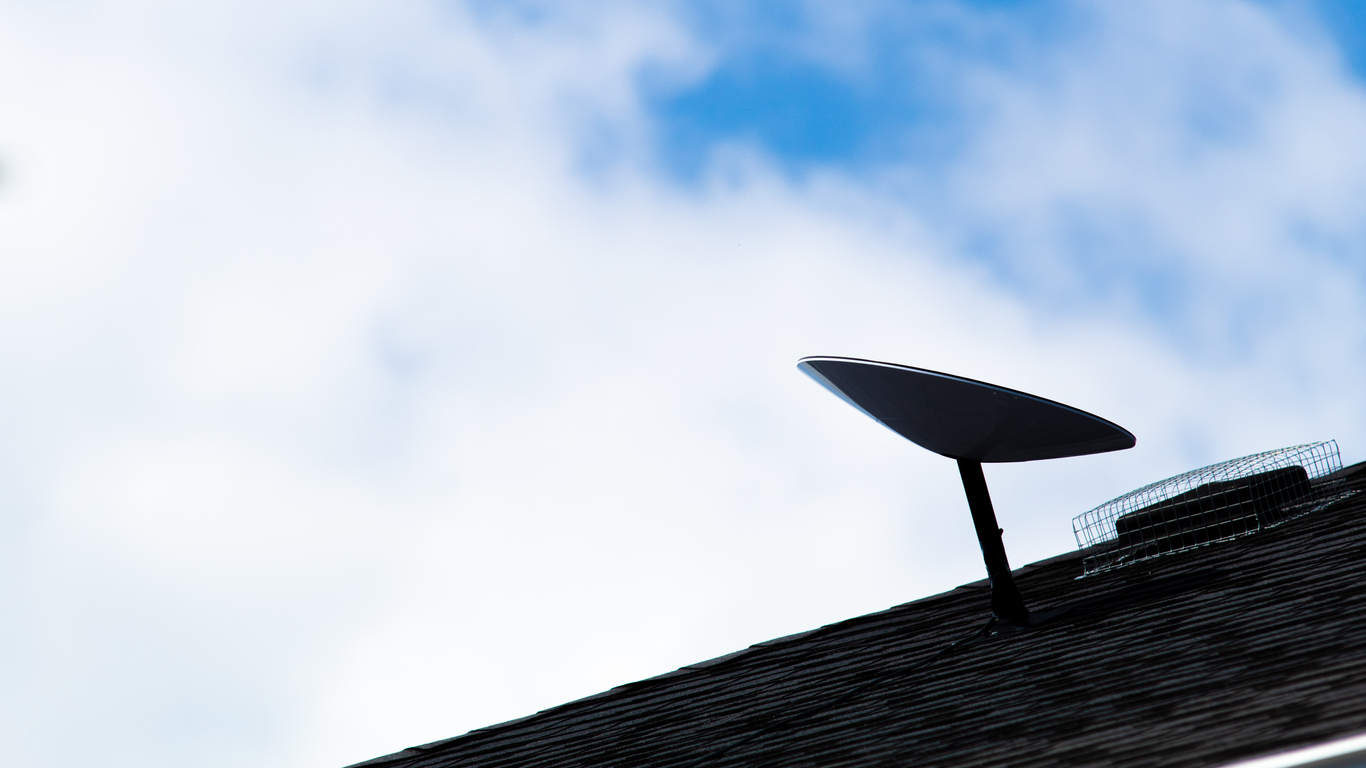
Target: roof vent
{"type": "Point", "coordinates": [1216, 503]}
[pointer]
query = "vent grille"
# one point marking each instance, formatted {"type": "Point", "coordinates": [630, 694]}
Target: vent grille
{"type": "Point", "coordinates": [1216, 503]}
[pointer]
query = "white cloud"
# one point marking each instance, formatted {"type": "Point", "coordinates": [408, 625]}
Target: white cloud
{"type": "Point", "coordinates": [341, 412]}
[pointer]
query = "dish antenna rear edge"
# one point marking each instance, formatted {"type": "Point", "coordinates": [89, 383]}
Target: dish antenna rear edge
{"type": "Point", "coordinates": [972, 422]}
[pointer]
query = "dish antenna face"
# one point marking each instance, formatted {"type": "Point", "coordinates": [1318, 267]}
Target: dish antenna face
{"type": "Point", "coordinates": [972, 422]}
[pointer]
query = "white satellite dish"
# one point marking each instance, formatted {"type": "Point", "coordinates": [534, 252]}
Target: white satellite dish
{"type": "Point", "coordinates": [972, 422]}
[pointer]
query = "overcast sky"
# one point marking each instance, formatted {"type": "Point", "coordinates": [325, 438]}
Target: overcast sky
{"type": "Point", "coordinates": [375, 371]}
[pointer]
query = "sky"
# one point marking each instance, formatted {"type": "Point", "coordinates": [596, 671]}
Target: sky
{"type": "Point", "coordinates": [373, 372]}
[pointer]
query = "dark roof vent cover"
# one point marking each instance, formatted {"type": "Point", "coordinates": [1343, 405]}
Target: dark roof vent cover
{"type": "Point", "coordinates": [1216, 503]}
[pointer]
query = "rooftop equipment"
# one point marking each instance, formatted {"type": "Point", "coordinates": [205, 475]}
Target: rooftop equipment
{"type": "Point", "coordinates": [972, 422]}
{"type": "Point", "coordinates": [1215, 503]}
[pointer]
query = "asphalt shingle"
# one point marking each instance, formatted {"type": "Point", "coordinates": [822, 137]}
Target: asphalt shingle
{"type": "Point", "coordinates": [1192, 659]}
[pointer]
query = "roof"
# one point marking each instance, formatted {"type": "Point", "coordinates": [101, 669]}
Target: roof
{"type": "Point", "coordinates": [1198, 658]}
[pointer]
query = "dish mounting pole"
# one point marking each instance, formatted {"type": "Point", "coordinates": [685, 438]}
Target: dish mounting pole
{"type": "Point", "coordinates": [1006, 601]}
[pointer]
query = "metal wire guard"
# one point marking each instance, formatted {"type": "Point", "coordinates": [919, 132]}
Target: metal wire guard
{"type": "Point", "coordinates": [1215, 503]}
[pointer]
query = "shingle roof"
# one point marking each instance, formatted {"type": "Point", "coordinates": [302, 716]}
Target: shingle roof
{"type": "Point", "coordinates": [1192, 659]}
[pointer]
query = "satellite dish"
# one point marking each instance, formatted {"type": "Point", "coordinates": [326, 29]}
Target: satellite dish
{"type": "Point", "coordinates": [972, 422]}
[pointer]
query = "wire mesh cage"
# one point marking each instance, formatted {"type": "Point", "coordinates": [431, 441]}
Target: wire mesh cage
{"type": "Point", "coordinates": [1215, 503]}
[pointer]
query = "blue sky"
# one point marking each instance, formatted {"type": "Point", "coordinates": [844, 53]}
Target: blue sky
{"type": "Point", "coordinates": [886, 91]}
{"type": "Point", "coordinates": [1345, 23]}
{"type": "Point", "coordinates": [373, 372]}
{"type": "Point", "coordinates": [770, 88]}
{"type": "Point", "coordinates": [895, 102]}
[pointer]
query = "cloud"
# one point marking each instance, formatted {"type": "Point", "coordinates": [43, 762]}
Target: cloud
{"type": "Point", "coordinates": [367, 379]}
